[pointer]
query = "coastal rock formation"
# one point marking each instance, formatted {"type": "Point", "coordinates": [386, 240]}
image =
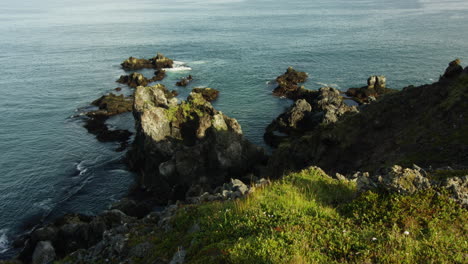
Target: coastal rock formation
{"type": "Point", "coordinates": [180, 145]}
{"type": "Point", "coordinates": [208, 94]}
{"type": "Point", "coordinates": [44, 253]}
{"type": "Point", "coordinates": [424, 125]}
{"type": "Point", "coordinates": [134, 80]}
{"type": "Point", "coordinates": [453, 70]}
{"type": "Point", "coordinates": [109, 105]}
{"type": "Point", "coordinates": [288, 85]}
{"type": "Point", "coordinates": [184, 81]}
{"type": "Point", "coordinates": [326, 108]}
{"type": "Point", "coordinates": [376, 87]}
{"type": "Point", "coordinates": [157, 62]}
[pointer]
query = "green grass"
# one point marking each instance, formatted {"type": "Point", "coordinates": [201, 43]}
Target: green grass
{"type": "Point", "coordinates": [308, 217]}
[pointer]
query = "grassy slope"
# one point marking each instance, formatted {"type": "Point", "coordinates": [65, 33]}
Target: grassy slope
{"type": "Point", "coordinates": [309, 217]}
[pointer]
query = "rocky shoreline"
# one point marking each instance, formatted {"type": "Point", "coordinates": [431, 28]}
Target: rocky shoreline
{"type": "Point", "coordinates": [187, 152]}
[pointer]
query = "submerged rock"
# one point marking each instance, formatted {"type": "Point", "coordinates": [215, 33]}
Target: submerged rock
{"type": "Point", "coordinates": [376, 87]}
{"type": "Point", "coordinates": [184, 81]}
{"type": "Point", "coordinates": [209, 94]}
{"type": "Point", "coordinates": [180, 145]}
{"type": "Point", "coordinates": [159, 75]}
{"type": "Point", "coordinates": [157, 62]}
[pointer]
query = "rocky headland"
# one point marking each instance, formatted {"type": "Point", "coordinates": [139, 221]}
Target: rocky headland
{"type": "Point", "coordinates": [219, 205]}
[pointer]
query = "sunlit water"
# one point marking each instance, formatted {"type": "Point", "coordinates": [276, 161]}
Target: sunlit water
{"type": "Point", "coordinates": [57, 56]}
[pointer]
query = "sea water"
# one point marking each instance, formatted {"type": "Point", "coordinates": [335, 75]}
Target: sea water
{"type": "Point", "coordinates": [56, 56]}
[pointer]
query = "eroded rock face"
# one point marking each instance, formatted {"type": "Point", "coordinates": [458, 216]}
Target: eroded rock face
{"type": "Point", "coordinates": [208, 94]}
{"type": "Point", "coordinates": [157, 62]}
{"type": "Point", "coordinates": [326, 108]}
{"type": "Point", "coordinates": [179, 145]}
{"type": "Point", "coordinates": [376, 87]}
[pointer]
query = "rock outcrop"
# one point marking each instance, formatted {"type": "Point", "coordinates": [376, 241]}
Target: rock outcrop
{"type": "Point", "coordinates": [208, 94]}
{"type": "Point", "coordinates": [109, 105]}
{"type": "Point", "coordinates": [159, 75]}
{"type": "Point", "coordinates": [157, 62]}
{"type": "Point", "coordinates": [424, 125]}
{"type": "Point", "coordinates": [376, 87]}
{"type": "Point", "coordinates": [134, 80]}
{"type": "Point", "coordinates": [453, 70]}
{"type": "Point", "coordinates": [180, 145]}
{"type": "Point", "coordinates": [288, 85]}
{"type": "Point", "coordinates": [326, 108]}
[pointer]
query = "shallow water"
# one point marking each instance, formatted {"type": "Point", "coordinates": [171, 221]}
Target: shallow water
{"type": "Point", "coordinates": [57, 56]}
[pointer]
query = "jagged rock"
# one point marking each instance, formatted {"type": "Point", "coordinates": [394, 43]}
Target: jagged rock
{"type": "Point", "coordinates": [184, 81]}
{"type": "Point", "coordinates": [44, 253]}
{"type": "Point", "coordinates": [133, 208]}
{"type": "Point", "coordinates": [288, 84]}
{"type": "Point", "coordinates": [209, 94]}
{"type": "Point", "coordinates": [327, 107]}
{"type": "Point", "coordinates": [376, 87]}
{"type": "Point", "coordinates": [158, 62]}
{"type": "Point", "coordinates": [134, 80]}
{"type": "Point", "coordinates": [179, 145]}
{"type": "Point", "coordinates": [458, 186]}
{"type": "Point", "coordinates": [453, 70]}
{"type": "Point", "coordinates": [395, 179]}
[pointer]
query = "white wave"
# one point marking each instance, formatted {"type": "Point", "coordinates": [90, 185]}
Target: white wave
{"type": "Point", "coordinates": [81, 167]}
{"type": "Point", "coordinates": [198, 62]}
{"type": "Point", "coordinates": [334, 85]}
{"type": "Point", "coordinates": [4, 243]}
{"type": "Point", "coordinates": [178, 66]}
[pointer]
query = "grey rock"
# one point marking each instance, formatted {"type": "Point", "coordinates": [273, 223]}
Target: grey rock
{"type": "Point", "coordinates": [179, 256]}
{"type": "Point", "coordinates": [44, 253]}
{"type": "Point", "coordinates": [140, 250]}
{"type": "Point", "coordinates": [458, 186]}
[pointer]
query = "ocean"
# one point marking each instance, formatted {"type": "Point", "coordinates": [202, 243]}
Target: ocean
{"type": "Point", "coordinates": [58, 56]}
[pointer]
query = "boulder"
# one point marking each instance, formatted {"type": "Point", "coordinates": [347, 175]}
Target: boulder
{"type": "Point", "coordinates": [208, 94]}
{"type": "Point", "coordinates": [458, 187]}
{"type": "Point", "coordinates": [185, 144]}
{"type": "Point", "coordinates": [157, 62]}
{"type": "Point", "coordinates": [44, 253]}
{"type": "Point", "coordinates": [395, 179]}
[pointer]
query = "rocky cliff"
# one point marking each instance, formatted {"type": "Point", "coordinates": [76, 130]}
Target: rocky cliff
{"type": "Point", "coordinates": [426, 125]}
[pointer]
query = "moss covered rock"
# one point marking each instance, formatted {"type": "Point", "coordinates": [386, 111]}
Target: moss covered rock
{"type": "Point", "coordinates": [208, 94]}
{"type": "Point", "coordinates": [157, 62]}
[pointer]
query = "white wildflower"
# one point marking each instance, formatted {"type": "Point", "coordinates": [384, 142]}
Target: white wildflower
{"type": "Point", "coordinates": [374, 239]}
{"type": "Point", "coordinates": [406, 232]}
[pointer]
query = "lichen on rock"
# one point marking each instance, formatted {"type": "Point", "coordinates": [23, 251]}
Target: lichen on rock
{"type": "Point", "coordinates": [157, 62]}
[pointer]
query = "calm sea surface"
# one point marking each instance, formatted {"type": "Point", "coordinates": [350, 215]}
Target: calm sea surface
{"type": "Point", "coordinates": [58, 56]}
